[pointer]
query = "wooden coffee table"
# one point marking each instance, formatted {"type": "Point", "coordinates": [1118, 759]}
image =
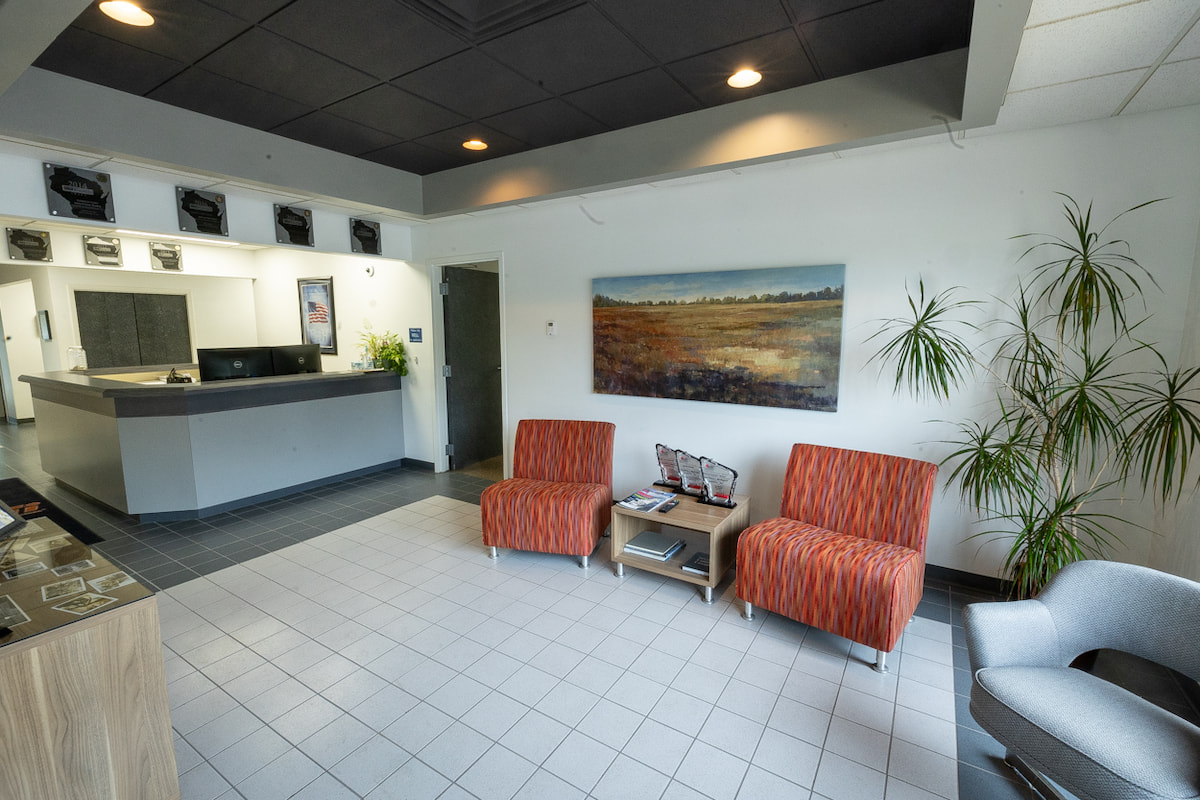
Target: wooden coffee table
{"type": "Point", "coordinates": [702, 527]}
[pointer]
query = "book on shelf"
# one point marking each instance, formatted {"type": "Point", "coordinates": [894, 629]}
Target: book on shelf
{"type": "Point", "coordinates": [647, 499]}
{"type": "Point", "coordinates": [652, 544]}
{"type": "Point", "coordinates": [697, 564]}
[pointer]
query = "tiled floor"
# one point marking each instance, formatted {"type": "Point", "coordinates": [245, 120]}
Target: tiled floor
{"type": "Point", "coordinates": [355, 640]}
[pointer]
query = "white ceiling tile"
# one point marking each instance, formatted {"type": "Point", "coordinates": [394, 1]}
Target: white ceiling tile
{"type": "Point", "coordinates": [1170, 86]}
{"type": "Point", "coordinates": [1065, 103]}
{"type": "Point", "coordinates": [1189, 47]}
{"type": "Point", "coordinates": [1043, 11]}
{"type": "Point", "coordinates": [1115, 40]}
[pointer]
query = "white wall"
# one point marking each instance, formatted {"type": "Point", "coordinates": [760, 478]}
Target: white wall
{"type": "Point", "coordinates": [393, 296]}
{"type": "Point", "coordinates": [936, 209]}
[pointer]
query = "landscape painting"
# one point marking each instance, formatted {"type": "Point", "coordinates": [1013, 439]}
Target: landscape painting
{"type": "Point", "coordinates": [765, 337]}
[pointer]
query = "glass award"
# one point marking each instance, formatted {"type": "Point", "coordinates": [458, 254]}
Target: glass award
{"type": "Point", "coordinates": [668, 464]}
{"type": "Point", "coordinates": [691, 479]}
{"type": "Point", "coordinates": [719, 481]}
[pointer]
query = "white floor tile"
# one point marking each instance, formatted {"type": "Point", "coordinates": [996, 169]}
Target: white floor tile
{"type": "Point", "coordinates": [428, 670]}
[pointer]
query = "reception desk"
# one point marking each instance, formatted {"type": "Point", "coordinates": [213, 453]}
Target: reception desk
{"type": "Point", "coordinates": [172, 451]}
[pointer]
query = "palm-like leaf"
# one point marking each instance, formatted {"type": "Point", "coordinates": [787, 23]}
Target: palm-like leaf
{"type": "Point", "coordinates": [1087, 418]}
{"type": "Point", "coordinates": [1090, 276]}
{"type": "Point", "coordinates": [994, 466]}
{"type": "Point", "coordinates": [929, 357]}
{"type": "Point", "coordinates": [1167, 429]}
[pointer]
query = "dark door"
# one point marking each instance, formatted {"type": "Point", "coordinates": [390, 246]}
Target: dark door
{"type": "Point", "coordinates": [471, 308]}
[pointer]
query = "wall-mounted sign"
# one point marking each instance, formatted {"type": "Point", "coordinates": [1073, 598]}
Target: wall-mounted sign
{"type": "Point", "coordinates": [79, 193]}
{"type": "Point", "coordinates": [316, 313]}
{"type": "Point", "coordinates": [201, 212]}
{"type": "Point", "coordinates": [102, 251]}
{"type": "Point", "coordinates": [364, 237]}
{"type": "Point", "coordinates": [44, 324]}
{"type": "Point", "coordinates": [293, 225]}
{"type": "Point", "coordinates": [29, 245]}
{"type": "Point", "coordinates": [168, 257]}
{"type": "Point", "coordinates": [414, 334]}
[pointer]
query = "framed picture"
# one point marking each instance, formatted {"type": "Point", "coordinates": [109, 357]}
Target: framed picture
{"type": "Point", "coordinates": [764, 337]}
{"type": "Point", "coordinates": [10, 521]}
{"type": "Point", "coordinates": [316, 314]}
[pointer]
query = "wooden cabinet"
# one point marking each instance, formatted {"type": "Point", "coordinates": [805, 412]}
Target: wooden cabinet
{"type": "Point", "coordinates": [83, 703]}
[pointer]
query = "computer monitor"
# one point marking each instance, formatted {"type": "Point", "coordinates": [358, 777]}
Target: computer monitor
{"type": "Point", "coordinates": [223, 363]}
{"type": "Point", "coordinates": [293, 359]}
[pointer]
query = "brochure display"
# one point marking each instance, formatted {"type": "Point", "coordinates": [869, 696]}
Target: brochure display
{"type": "Point", "coordinates": [700, 528]}
{"type": "Point", "coordinates": [648, 499]}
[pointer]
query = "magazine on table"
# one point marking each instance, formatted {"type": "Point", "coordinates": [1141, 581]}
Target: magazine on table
{"type": "Point", "coordinates": [647, 499]}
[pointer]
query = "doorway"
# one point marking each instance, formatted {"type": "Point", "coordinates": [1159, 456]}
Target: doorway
{"type": "Point", "coordinates": [474, 401]}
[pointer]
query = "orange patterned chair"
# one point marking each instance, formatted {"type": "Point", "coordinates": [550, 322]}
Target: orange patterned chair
{"type": "Point", "coordinates": [559, 499]}
{"type": "Point", "coordinates": [847, 553]}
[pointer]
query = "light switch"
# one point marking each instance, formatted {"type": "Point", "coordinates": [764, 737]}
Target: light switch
{"type": "Point", "coordinates": [551, 328]}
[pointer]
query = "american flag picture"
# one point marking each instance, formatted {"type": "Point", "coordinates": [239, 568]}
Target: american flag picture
{"type": "Point", "coordinates": [317, 312]}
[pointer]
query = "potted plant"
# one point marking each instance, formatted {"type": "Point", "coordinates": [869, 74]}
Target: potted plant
{"type": "Point", "coordinates": [386, 351]}
{"type": "Point", "coordinates": [1082, 407]}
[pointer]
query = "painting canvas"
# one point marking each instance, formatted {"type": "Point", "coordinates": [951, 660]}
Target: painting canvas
{"type": "Point", "coordinates": [767, 337]}
{"type": "Point", "coordinates": [316, 314]}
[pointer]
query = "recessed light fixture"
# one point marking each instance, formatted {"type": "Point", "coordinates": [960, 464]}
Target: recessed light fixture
{"type": "Point", "coordinates": [475, 144]}
{"type": "Point", "coordinates": [744, 79]}
{"type": "Point", "coordinates": [129, 13]}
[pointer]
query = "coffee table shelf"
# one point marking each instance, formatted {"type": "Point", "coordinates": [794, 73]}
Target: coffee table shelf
{"type": "Point", "coordinates": [701, 526]}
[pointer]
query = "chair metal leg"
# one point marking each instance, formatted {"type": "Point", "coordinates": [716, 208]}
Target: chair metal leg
{"type": "Point", "coordinates": [620, 570]}
{"type": "Point", "coordinates": [583, 562]}
{"type": "Point", "coordinates": [748, 611]}
{"type": "Point", "coordinates": [1036, 779]}
{"type": "Point", "coordinates": [880, 664]}
{"type": "Point", "coordinates": [493, 553]}
{"type": "Point", "coordinates": [708, 595]}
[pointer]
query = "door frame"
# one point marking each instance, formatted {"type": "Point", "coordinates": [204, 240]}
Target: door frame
{"type": "Point", "coordinates": [441, 412]}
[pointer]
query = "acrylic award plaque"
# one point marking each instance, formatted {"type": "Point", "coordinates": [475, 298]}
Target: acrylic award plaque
{"type": "Point", "coordinates": [668, 465]}
{"type": "Point", "coordinates": [29, 245]}
{"type": "Point", "coordinates": [293, 225]}
{"type": "Point", "coordinates": [719, 481]}
{"type": "Point", "coordinates": [76, 193]}
{"type": "Point", "coordinates": [201, 212]}
{"type": "Point", "coordinates": [166, 257]}
{"type": "Point", "coordinates": [101, 251]}
{"type": "Point", "coordinates": [364, 237]}
{"type": "Point", "coordinates": [691, 479]}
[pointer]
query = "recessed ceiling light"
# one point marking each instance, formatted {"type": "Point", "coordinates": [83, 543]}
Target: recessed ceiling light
{"type": "Point", "coordinates": [129, 13]}
{"type": "Point", "coordinates": [744, 79]}
{"type": "Point", "coordinates": [475, 144]}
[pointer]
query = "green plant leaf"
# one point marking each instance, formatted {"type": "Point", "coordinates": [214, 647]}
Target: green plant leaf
{"type": "Point", "coordinates": [1166, 429]}
{"type": "Point", "coordinates": [928, 356]}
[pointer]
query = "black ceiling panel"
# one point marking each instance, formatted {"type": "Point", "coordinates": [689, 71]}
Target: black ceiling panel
{"type": "Point", "coordinates": [885, 33]}
{"type": "Point", "coordinates": [412, 157]}
{"type": "Point", "coordinates": [575, 49]}
{"type": "Point", "coordinates": [635, 99]}
{"type": "Point", "coordinates": [472, 84]}
{"type": "Point", "coordinates": [808, 10]}
{"type": "Point", "coordinates": [217, 96]}
{"type": "Point", "coordinates": [402, 82]}
{"type": "Point", "coordinates": [334, 133]}
{"type": "Point", "coordinates": [546, 123]}
{"type": "Point", "coordinates": [777, 56]}
{"type": "Point", "coordinates": [380, 37]}
{"type": "Point", "coordinates": [450, 143]}
{"type": "Point", "coordinates": [183, 30]}
{"type": "Point", "coordinates": [249, 10]}
{"type": "Point", "coordinates": [671, 31]}
{"type": "Point", "coordinates": [91, 57]}
{"type": "Point", "coordinates": [272, 63]}
{"type": "Point", "coordinates": [397, 112]}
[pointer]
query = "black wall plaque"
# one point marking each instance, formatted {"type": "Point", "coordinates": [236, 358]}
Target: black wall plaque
{"type": "Point", "coordinates": [168, 257]}
{"type": "Point", "coordinates": [201, 212]}
{"type": "Point", "coordinates": [102, 251]}
{"type": "Point", "coordinates": [364, 237]}
{"type": "Point", "coordinates": [29, 245]}
{"type": "Point", "coordinates": [293, 225]}
{"type": "Point", "coordinates": [79, 193]}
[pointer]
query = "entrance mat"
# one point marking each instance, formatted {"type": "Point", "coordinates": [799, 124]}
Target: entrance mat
{"type": "Point", "coordinates": [31, 505]}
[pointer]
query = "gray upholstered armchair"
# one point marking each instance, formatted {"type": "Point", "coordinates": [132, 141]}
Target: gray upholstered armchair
{"type": "Point", "coordinates": [1092, 737]}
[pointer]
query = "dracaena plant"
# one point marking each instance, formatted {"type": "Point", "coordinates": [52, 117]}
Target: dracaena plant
{"type": "Point", "coordinates": [1083, 408]}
